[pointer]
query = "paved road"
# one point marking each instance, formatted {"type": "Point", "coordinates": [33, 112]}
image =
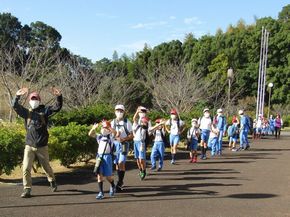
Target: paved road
{"type": "Point", "coordinates": [248, 183]}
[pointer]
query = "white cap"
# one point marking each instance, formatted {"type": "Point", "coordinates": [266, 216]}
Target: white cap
{"type": "Point", "coordinates": [119, 107]}
{"type": "Point", "coordinates": [219, 110]}
{"type": "Point", "coordinates": [205, 110]}
{"type": "Point", "coordinates": [194, 120]}
{"type": "Point", "coordinates": [241, 112]}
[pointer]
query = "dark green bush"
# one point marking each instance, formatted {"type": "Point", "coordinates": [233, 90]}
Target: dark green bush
{"type": "Point", "coordinates": [11, 147]}
{"type": "Point", "coordinates": [71, 144]}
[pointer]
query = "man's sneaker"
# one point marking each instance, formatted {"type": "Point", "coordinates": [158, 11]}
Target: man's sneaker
{"type": "Point", "coordinates": [53, 186]}
{"type": "Point", "coordinates": [26, 193]}
{"type": "Point", "coordinates": [100, 196]}
{"type": "Point", "coordinates": [112, 191]}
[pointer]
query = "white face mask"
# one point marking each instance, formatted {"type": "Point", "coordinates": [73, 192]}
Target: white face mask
{"type": "Point", "coordinates": [34, 103]}
{"type": "Point", "coordinates": [142, 114]}
{"type": "Point", "coordinates": [219, 114]}
{"type": "Point", "coordinates": [119, 115]}
{"type": "Point", "coordinates": [105, 131]}
{"type": "Point", "coordinates": [173, 117]}
{"type": "Point", "coordinates": [206, 114]}
{"type": "Point", "coordinates": [193, 125]}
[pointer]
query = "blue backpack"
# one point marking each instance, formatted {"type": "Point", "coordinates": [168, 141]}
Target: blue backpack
{"type": "Point", "coordinates": [232, 130]}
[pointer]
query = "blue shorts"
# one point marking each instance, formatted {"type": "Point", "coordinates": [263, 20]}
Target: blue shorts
{"type": "Point", "coordinates": [193, 145]}
{"type": "Point", "coordinates": [174, 139]}
{"type": "Point", "coordinates": [205, 135]}
{"type": "Point", "coordinates": [121, 156]}
{"type": "Point", "coordinates": [259, 130]}
{"type": "Point", "coordinates": [106, 167]}
{"type": "Point", "coordinates": [233, 139]}
{"type": "Point", "coordinates": [138, 154]}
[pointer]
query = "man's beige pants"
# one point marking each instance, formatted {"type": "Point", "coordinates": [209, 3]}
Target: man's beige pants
{"type": "Point", "coordinates": [43, 158]}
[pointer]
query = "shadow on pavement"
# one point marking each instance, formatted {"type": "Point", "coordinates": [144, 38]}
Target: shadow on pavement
{"type": "Point", "coordinates": [252, 196]}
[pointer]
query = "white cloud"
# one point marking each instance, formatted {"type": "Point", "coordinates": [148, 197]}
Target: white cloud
{"type": "Point", "coordinates": [172, 18]}
{"type": "Point", "coordinates": [6, 10]}
{"type": "Point", "coordinates": [192, 20]}
{"type": "Point", "coordinates": [149, 25]}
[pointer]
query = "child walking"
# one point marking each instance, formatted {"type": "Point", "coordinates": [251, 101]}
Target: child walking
{"type": "Point", "coordinates": [213, 139]}
{"type": "Point", "coordinates": [158, 148]}
{"type": "Point", "coordinates": [104, 159]}
{"type": "Point", "coordinates": [192, 136]}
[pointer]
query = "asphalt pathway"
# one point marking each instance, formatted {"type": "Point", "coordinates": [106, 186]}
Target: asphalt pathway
{"type": "Point", "coordinates": [246, 183]}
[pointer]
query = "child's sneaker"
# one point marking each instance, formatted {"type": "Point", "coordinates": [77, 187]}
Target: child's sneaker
{"type": "Point", "coordinates": [172, 162]}
{"type": "Point", "coordinates": [159, 169]}
{"type": "Point", "coordinates": [194, 160]}
{"type": "Point", "coordinates": [153, 168]}
{"type": "Point", "coordinates": [100, 196]}
{"type": "Point", "coordinates": [112, 191]}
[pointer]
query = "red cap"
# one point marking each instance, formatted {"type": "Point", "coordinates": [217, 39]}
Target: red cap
{"type": "Point", "coordinates": [173, 112]}
{"type": "Point", "coordinates": [145, 120]}
{"type": "Point", "coordinates": [106, 124]}
{"type": "Point", "coordinates": [34, 96]}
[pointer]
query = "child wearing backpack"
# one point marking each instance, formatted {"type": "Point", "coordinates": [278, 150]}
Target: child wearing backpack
{"type": "Point", "coordinates": [192, 137]}
{"type": "Point", "coordinates": [104, 159]}
{"type": "Point", "coordinates": [141, 135]}
{"type": "Point", "coordinates": [176, 128]}
{"type": "Point", "coordinates": [158, 148]}
{"type": "Point", "coordinates": [213, 139]}
{"type": "Point", "coordinates": [233, 135]}
{"type": "Point", "coordinates": [205, 127]}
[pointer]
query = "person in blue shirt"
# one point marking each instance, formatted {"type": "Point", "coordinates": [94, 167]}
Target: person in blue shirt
{"type": "Point", "coordinates": [222, 126]}
{"type": "Point", "coordinates": [244, 130]}
{"type": "Point", "coordinates": [272, 125]}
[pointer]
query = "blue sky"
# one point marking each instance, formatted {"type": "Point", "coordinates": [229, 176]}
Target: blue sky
{"type": "Point", "coordinates": [94, 28]}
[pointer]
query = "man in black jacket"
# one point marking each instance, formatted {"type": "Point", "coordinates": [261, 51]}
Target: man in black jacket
{"type": "Point", "coordinates": [36, 119]}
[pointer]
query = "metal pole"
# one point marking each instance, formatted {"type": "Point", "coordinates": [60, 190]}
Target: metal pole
{"type": "Point", "coordinates": [259, 79]}
{"type": "Point", "coordinates": [265, 70]}
{"type": "Point", "coordinates": [269, 104]}
{"type": "Point", "coordinates": [229, 96]}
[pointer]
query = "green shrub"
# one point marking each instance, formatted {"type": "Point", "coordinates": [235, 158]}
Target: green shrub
{"type": "Point", "coordinates": [83, 116]}
{"type": "Point", "coordinates": [71, 144]}
{"type": "Point", "coordinates": [11, 147]}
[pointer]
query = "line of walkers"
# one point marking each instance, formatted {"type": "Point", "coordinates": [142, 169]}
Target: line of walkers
{"type": "Point", "coordinates": [115, 136]}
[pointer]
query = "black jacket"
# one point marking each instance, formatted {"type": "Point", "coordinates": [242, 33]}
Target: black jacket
{"type": "Point", "coordinates": [36, 127]}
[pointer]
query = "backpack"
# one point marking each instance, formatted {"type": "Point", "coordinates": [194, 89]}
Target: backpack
{"type": "Point", "coordinates": [164, 139]}
{"type": "Point", "coordinates": [124, 125]}
{"type": "Point", "coordinates": [43, 119]}
{"type": "Point", "coordinates": [178, 123]}
{"type": "Point", "coordinates": [232, 130]}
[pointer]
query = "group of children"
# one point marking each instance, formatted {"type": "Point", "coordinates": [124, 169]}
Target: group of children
{"type": "Point", "coordinates": [115, 136]}
{"type": "Point", "coordinates": [263, 126]}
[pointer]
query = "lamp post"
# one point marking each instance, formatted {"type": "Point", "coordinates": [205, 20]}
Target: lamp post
{"type": "Point", "coordinates": [270, 85]}
{"type": "Point", "coordinates": [230, 76]}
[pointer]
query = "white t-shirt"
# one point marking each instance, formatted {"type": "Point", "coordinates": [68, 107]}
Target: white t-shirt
{"type": "Point", "coordinates": [119, 127]}
{"type": "Point", "coordinates": [102, 141]}
{"type": "Point", "coordinates": [214, 132]}
{"type": "Point", "coordinates": [204, 123]}
{"type": "Point", "coordinates": [139, 133]}
{"type": "Point", "coordinates": [158, 134]}
{"type": "Point", "coordinates": [191, 134]}
{"type": "Point", "coordinates": [174, 127]}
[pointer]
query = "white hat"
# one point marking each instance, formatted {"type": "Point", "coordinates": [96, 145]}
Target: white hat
{"type": "Point", "coordinates": [205, 110]}
{"type": "Point", "coordinates": [194, 120]}
{"type": "Point", "coordinates": [220, 110]}
{"type": "Point", "coordinates": [119, 107]}
{"type": "Point", "coordinates": [241, 112]}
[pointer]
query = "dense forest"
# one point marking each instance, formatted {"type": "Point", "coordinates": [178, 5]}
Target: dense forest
{"type": "Point", "coordinates": [186, 74]}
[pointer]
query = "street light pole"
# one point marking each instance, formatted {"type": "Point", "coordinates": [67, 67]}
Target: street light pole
{"type": "Point", "coordinates": [230, 76]}
{"type": "Point", "coordinates": [270, 85]}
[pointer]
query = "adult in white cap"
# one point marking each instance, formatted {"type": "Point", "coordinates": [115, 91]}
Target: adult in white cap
{"type": "Point", "coordinates": [205, 126]}
{"type": "Point", "coordinates": [222, 126]}
{"type": "Point", "coordinates": [124, 134]}
{"type": "Point", "coordinates": [244, 130]}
